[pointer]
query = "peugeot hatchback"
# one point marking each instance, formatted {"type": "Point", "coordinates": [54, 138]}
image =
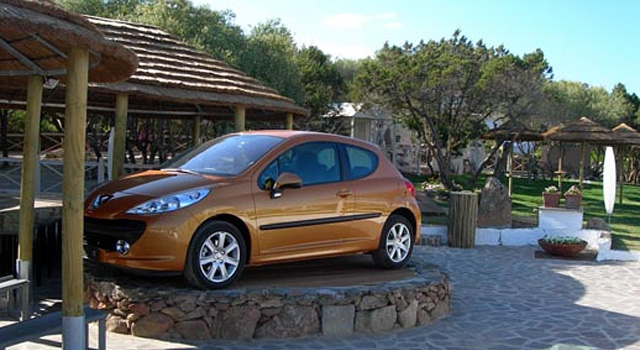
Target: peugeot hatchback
{"type": "Point", "coordinates": [255, 198]}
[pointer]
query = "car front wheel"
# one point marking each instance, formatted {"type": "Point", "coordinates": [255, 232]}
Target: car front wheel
{"type": "Point", "coordinates": [396, 243]}
{"type": "Point", "coordinates": [216, 256]}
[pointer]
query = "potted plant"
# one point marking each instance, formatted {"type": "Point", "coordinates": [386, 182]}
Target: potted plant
{"type": "Point", "coordinates": [563, 245]}
{"type": "Point", "coordinates": [551, 197]}
{"type": "Point", "coordinates": [573, 198]}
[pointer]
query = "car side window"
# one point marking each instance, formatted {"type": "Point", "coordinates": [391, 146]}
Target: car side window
{"type": "Point", "coordinates": [314, 162]}
{"type": "Point", "coordinates": [361, 162]}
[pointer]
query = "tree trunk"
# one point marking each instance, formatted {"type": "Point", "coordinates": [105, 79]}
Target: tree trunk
{"type": "Point", "coordinates": [4, 126]}
{"type": "Point", "coordinates": [501, 164]}
{"type": "Point", "coordinates": [463, 218]}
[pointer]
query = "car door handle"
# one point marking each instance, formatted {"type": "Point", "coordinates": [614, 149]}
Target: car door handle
{"type": "Point", "coordinates": [343, 193]}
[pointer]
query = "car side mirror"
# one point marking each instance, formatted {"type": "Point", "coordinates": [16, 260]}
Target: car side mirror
{"type": "Point", "coordinates": [285, 180]}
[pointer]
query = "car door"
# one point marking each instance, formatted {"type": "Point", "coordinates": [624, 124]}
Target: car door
{"type": "Point", "coordinates": [307, 221]}
{"type": "Point", "coordinates": [373, 195]}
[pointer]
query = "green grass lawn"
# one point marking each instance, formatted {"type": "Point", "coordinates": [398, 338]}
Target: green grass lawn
{"type": "Point", "coordinates": [527, 197]}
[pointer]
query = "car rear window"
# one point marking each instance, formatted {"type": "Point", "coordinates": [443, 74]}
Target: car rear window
{"type": "Point", "coordinates": [361, 162]}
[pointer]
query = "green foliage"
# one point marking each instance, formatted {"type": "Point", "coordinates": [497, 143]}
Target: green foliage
{"type": "Point", "coordinates": [445, 90]}
{"type": "Point", "coordinates": [323, 85]}
{"type": "Point", "coordinates": [561, 240]}
{"type": "Point", "coordinates": [571, 100]}
{"type": "Point", "coordinates": [270, 57]}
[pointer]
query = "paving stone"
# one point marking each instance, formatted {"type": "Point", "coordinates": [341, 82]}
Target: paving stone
{"type": "Point", "coordinates": [502, 298]}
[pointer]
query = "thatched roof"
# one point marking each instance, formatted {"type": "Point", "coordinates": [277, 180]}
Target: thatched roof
{"type": "Point", "coordinates": [35, 37]}
{"type": "Point", "coordinates": [512, 131]}
{"type": "Point", "coordinates": [584, 130]}
{"type": "Point", "coordinates": [626, 134]}
{"type": "Point", "coordinates": [171, 70]}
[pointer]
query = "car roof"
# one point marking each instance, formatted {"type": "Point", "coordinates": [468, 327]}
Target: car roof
{"type": "Point", "coordinates": [291, 134]}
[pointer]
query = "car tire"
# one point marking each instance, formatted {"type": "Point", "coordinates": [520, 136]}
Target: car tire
{"type": "Point", "coordinates": [216, 256]}
{"type": "Point", "coordinates": [396, 243]}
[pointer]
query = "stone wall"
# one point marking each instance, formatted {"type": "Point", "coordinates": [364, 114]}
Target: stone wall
{"type": "Point", "coordinates": [160, 311]}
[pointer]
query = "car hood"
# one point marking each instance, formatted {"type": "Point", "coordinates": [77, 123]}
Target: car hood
{"type": "Point", "coordinates": [157, 183]}
{"type": "Point", "coordinates": [128, 191]}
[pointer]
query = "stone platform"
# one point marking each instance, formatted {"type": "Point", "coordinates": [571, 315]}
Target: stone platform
{"type": "Point", "coordinates": [333, 297]}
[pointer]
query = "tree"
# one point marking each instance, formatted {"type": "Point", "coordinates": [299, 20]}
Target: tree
{"type": "Point", "coordinates": [445, 90]}
{"type": "Point", "coordinates": [322, 86]}
{"type": "Point", "coordinates": [270, 57]}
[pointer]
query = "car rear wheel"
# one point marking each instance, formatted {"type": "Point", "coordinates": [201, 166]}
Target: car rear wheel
{"type": "Point", "coordinates": [396, 243]}
{"type": "Point", "coordinates": [216, 256]}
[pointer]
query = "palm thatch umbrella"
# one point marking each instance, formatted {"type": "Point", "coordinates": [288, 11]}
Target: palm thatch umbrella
{"type": "Point", "coordinates": [39, 41]}
{"type": "Point", "coordinates": [627, 136]}
{"type": "Point", "coordinates": [512, 132]}
{"type": "Point", "coordinates": [583, 131]}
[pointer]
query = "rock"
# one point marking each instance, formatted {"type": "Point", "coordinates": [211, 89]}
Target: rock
{"type": "Point", "coordinates": [441, 310]}
{"type": "Point", "coordinates": [291, 322]}
{"type": "Point", "coordinates": [370, 302]}
{"type": "Point", "coordinates": [407, 317]}
{"type": "Point", "coordinates": [375, 321]}
{"type": "Point", "coordinates": [158, 305]}
{"type": "Point", "coordinates": [271, 303]}
{"type": "Point", "coordinates": [131, 318]}
{"type": "Point", "coordinates": [495, 205]}
{"type": "Point", "coordinates": [423, 318]}
{"type": "Point", "coordinates": [270, 312]}
{"type": "Point", "coordinates": [195, 314]}
{"type": "Point", "coordinates": [236, 323]}
{"type": "Point", "coordinates": [174, 312]}
{"type": "Point", "coordinates": [193, 330]}
{"type": "Point", "coordinates": [598, 224]}
{"type": "Point", "coordinates": [140, 309]}
{"type": "Point", "coordinates": [117, 324]}
{"type": "Point", "coordinates": [338, 320]}
{"type": "Point", "coordinates": [151, 326]}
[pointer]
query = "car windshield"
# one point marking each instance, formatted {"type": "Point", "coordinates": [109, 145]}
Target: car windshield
{"type": "Point", "coordinates": [224, 156]}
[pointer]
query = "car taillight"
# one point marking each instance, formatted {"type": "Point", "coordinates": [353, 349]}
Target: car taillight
{"type": "Point", "coordinates": [410, 188]}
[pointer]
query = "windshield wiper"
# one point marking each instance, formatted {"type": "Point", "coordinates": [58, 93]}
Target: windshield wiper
{"type": "Point", "coordinates": [179, 170]}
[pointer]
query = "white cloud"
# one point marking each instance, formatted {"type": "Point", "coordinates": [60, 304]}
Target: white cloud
{"type": "Point", "coordinates": [346, 21]}
{"type": "Point", "coordinates": [344, 50]}
{"type": "Point", "coordinates": [393, 25]}
{"type": "Point", "coordinates": [357, 21]}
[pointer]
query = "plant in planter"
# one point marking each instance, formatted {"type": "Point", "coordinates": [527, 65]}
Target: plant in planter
{"type": "Point", "coordinates": [551, 197]}
{"type": "Point", "coordinates": [563, 245]}
{"type": "Point", "coordinates": [573, 198]}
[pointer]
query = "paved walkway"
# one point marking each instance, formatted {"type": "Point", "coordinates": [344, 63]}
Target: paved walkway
{"type": "Point", "coordinates": [503, 298]}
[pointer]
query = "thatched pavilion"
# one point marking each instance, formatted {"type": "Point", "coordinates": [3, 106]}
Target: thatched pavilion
{"type": "Point", "coordinates": [173, 80]}
{"type": "Point", "coordinates": [39, 41]}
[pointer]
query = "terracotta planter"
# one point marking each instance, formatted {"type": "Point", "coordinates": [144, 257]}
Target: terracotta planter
{"type": "Point", "coordinates": [551, 199]}
{"type": "Point", "coordinates": [573, 201]}
{"type": "Point", "coordinates": [567, 250]}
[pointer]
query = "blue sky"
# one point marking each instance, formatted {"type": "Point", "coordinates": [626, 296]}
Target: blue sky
{"type": "Point", "coordinates": [596, 42]}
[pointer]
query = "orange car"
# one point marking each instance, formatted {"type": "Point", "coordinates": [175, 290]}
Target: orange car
{"type": "Point", "coordinates": [255, 198]}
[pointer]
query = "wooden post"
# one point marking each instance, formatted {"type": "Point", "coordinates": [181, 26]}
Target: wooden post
{"type": "Point", "coordinates": [195, 137]}
{"type": "Point", "coordinates": [581, 172]}
{"type": "Point", "coordinates": [463, 219]}
{"type": "Point", "coordinates": [511, 170]}
{"type": "Point", "coordinates": [560, 170]}
{"type": "Point", "coordinates": [289, 121]}
{"type": "Point", "coordinates": [240, 118]}
{"type": "Point", "coordinates": [120, 135]}
{"type": "Point", "coordinates": [4, 125]}
{"type": "Point", "coordinates": [73, 336]}
{"type": "Point", "coordinates": [621, 172]}
{"type": "Point", "coordinates": [28, 184]}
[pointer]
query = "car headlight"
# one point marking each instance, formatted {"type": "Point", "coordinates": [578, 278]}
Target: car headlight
{"type": "Point", "coordinates": [169, 203]}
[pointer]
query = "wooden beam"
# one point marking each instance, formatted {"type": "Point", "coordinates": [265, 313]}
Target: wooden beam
{"type": "Point", "coordinates": [73, 336]}
{"type": "Point", "coordinates": [289, 121]}
{"type": "Point", "coordinates": [28, 179]}
{"type": "Point", "coordinates": [120, 136]}
{"type": "Point", "coordinates": [240, 118]}
{"type": "Point", "coordinates": [195, 140]}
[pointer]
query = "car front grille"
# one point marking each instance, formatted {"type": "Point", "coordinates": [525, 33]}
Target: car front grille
{"type": "Point", "coordinates": [104, 233]}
